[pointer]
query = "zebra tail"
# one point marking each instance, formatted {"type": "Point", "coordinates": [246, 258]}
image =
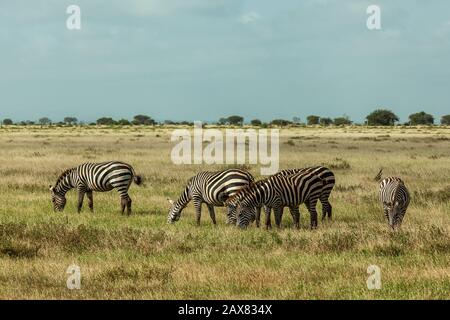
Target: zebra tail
{"type": "Point", "coordinates": [137, 179]}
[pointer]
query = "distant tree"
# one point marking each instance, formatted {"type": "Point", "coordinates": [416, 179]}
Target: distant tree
{"type": "Point", "coordinates": [222, 121]}
{"type": "Point", "coordinates": [106, 121]}
{"type": "Point", "coordinates": [7, 122]}
{"type": "Point", "coordinates": [256, 122]}
{"type": "Point", "coordinates": [445, 120]}
{"type": "Point", "coordinates": [44, 121]}
{"type": "Point", "coordinates": [280, 122]}
{"type": "Point", "coordinates": [341, 121]}
{"type": "Point", "coordinates": [326, 121]}
{"type": "Point", "coordinates": [186, 123]}
{"type": "Point", "coordinates": [124, 122]}
{"type": "Point", "coordinates": [141, 119]}
{"type": "Point", "coordinates": [70, 120]}
{"type": "Point", "coordinates": [421, 118]}
{"type": "Point", "coordinates": [382, 117]}
{"type": "Point", "coordinates": [312, 120]}
{"type": "Point", "coordinates": [235, 120]}
{"type": "Point", "coordinates": [296, 120]}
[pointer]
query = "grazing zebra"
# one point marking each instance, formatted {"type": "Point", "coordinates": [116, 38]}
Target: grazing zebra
{"type": "Point", "coordinates": [394, 197]}
{"type": "Point", "coordinates": [212, 188]}
{"type": "Point", "coordinates": [324, 173]}
{"type": "Point", "coordinates": [90, 177]}
{"type": "Point", "coordinates": [276, 193]}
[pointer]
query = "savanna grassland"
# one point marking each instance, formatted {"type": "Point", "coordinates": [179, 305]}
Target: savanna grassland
{"type": "Point", "coordinates": [141, 256]}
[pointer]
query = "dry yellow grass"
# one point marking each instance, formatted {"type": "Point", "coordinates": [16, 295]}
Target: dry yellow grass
{"type": "Point", "coordinates": [143, 257]}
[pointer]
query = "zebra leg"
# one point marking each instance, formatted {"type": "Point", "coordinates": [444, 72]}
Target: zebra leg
{"type": "Point", "coordinates": [123, 204]}
{"type": "Point", "coordinates": [80, 199]}
{"type": "Point", "coordinates": [258, 216]}
{"type": "Point", "coordinates": [198, 209]}
{"type": "Point", "coordinates": [295, 212]}
{"type": "Point", "coordinates": [268, 220]}
{"type": "Point", "coordinates": [90, 200]}
{"type": "Point", "coordinates": [326, 207]}
{"type": "Point", "coordinates": [311, 205]}
{"type": "Point", "coordinates": [129, 205]}
{"type": "Point", "coordinates": [278, 213]}
{"type": "Point", "coordinates": [212, 214]}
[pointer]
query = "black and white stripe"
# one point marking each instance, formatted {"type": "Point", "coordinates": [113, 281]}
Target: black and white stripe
{"type": "Point", "coordinates": [276, 193]}
{"type": "Point", "coordinates": [212, 188]}
{"type": "Point", "coordinates": [395, 198]}
{"type": "Point", "coordinates": [325, 174]}
{"type": "Point", "coordinates": [90, 177]}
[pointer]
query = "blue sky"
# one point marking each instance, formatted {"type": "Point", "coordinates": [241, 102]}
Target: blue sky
{"type": "Point", "coordinates": [204, 59]}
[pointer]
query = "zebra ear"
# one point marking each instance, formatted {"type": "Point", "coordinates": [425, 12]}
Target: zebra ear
{"type": "Point", "coordinates": [171, 201]}
{"type": "Point", "coordinates": [51, 188]}
{"type": "Point", "coordinates": [379, 175]}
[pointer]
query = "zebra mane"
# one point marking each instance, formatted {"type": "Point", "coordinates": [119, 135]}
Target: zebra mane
{"type": "Point", "coordinates": [244, 191]}
{"type": "Point", "coordinates": [379, 175]}
{"type": "Point", "coordinates": [63, 175]}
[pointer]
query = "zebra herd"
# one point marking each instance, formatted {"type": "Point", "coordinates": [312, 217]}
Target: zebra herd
{"type": "Point", "coordinates": [234, 188]}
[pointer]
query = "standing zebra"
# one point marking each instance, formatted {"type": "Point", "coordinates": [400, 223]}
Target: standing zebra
{"type": "Point", "coordinates": [90, 177]}
{"type": "Point", "coordinates": [212, 188]}
{"type": "Point", "coordinates": [394, 197]}
{"type": "Point", "coordinates": [325, 174]}
{"type": "Point", "coordinates": [276, 193]}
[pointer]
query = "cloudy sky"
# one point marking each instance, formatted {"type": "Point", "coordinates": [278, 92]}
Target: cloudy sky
{"type": "Point", "coordinates": [204, 59]}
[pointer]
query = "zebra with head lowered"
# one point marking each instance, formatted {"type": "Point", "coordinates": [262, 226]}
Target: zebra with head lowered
{"type": "Point", "coordinates": [90, 177]}
{"type": "Point", "coordinates": [212, 188]}
{"type": "Point", "coordinates": [276, 193]}
{"type": "Point", "coordinates": [325, 174]}
{"type": "Point", "coordinates": [394, 197]}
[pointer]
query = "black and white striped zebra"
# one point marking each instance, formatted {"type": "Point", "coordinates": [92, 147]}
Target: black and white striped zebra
{"type": "Point", "coordinates": [394, 197]}
{"type": "Point", "coordinates": [324, 173]}
{"type": "Point", "coordinates": [89, 177]}
{"type": "Point", "coordinates": [212, 188]}
{"type": "Point", "coordinates": [276, 193]}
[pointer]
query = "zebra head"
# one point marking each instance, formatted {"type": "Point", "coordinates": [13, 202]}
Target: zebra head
{"type": "Point", "coordinates": [396, 210]}
{"type": "Point", "coordinates": [231, 214]}
{"type": "Point", "coordinates": [245, 215]}
{"type": "Point", "coordinates": [58, 200]}
{"type": "Point", "coordinates": [174, 211]}
{"type": "Point", "coordinates": [394, 215]}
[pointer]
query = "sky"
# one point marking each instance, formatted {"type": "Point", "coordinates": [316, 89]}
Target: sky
{"type": "Point", "coordinates": [206, 59]}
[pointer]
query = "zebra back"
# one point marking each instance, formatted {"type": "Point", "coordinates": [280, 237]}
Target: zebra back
{"type": "Point", "coordinates": [290, 190]}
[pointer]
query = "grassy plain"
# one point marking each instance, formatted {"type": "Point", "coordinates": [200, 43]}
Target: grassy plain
{"type": "Point", "coordinates": [141, 256]}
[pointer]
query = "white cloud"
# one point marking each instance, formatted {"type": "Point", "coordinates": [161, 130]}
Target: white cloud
{"type": "Point", "coordinates": [249, 17]}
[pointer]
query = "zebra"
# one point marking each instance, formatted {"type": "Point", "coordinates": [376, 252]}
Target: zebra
{"type": "Point", "coordinates": [212, 188]}
{"type": "Point", "coordinates": [394, 197]}
{"type": "Point", "coordinates": [277, 192]}
{"type": "Point", "coordinates": [323, 173]}
{"type": "Point", "coordinates": [89, 177]}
